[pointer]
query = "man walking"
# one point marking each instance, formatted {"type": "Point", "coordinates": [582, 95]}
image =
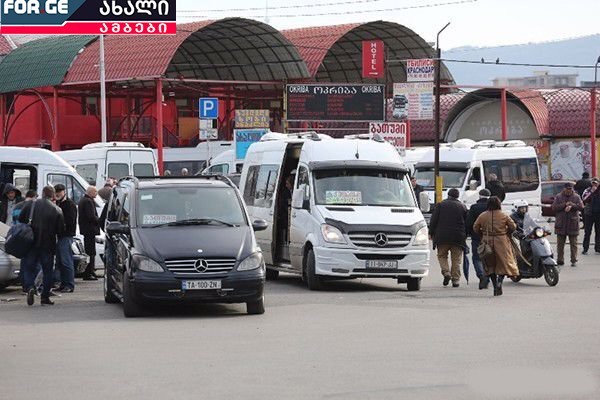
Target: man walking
{"type": "Point", "coordinates": [448, 230]}
{"type": "Point", "coordinates": [496, 187]}
{"type": "Point", "coordinates": [583, 183]}
{"type": "Point", "coordinates": [47, 223]}
{"type": "Point", "coordinates": [567, 205]}
{"type": "Point", "coordinates": [11, 196]}
{"type": "Point", "coordinates": [64, 252]}
{"type": "Point", "coordinates": [591, 217]}
{"type": "Point", "coordinates": [474, 212]}
{"type": "Point", "coordinates": [89, 227]}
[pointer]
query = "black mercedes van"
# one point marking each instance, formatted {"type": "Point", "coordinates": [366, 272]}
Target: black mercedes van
{"type": "Point", "coordinates": [181, 240]}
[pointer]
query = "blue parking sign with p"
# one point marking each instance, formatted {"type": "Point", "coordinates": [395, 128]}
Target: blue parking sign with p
{"type": "Point", "coordinates": [209, 108]}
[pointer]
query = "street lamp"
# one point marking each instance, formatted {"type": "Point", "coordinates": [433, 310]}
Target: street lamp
{"type": "Point", "coordinates": [438, 77]}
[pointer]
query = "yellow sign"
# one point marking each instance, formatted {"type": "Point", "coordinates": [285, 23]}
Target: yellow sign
{"type": "Point", "coordinates": [252, 119]}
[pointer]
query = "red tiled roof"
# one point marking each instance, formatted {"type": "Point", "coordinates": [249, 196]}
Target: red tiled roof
{"type": "Point", "coordinates": [536, 105]}
{"type": "Point", "coordinates": [127, 57]}
{"type": "Point", "coordinates": [569, 111]}
{"type": "Point", "coordinates": [314, 43]}
{"type": "Point", "coordinates": [5, 47]}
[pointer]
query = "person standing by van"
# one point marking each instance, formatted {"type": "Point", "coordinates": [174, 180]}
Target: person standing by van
{"type": "Point", "coordinates": [591, 218]}
{"type": "Point", "coordinates": [105, 192]}
{"type": "Point", "coordinates": [64, 252]}
{"type": "Point", "coordinates": [449, 233]}
{"type": "Point", "coordinates": [474, 212]}
{"type": "Point", "coordinates": [567, 205]}
{"type": "Point", "coordinates": [496, 187]}
{"type": "Point", "coordinates": [89, 227]}
{"type": "Point", "coordinates": [47, 224]}
{"type": "Point", "coordinates": [583, 184]}
{"type": "Point", "coordinates": [11, 196]}
{"type": "Point", "coordinates": [495, 227]}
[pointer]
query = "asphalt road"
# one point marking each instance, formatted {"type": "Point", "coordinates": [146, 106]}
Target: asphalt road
{"type": "Point", "coordinates": [368, 339]}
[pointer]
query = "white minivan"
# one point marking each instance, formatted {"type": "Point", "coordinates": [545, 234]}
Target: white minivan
{"type": "Point", "coordinates": [194, 159]}
{"type": "Point", "coordinates": [466, 165]}
{"type": "Point", "coordinates": [33, 168]}
{"type": "Point", "coordinates": [224, 164]}
{"type": "Point", "coordinates": [96, 162]}
{"type": "Point", "coordinates": [337, 208]}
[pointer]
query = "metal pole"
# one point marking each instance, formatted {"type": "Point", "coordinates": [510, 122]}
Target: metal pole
{"type": "Point", "coordinates": [438, 77]}
{"type": "Point", "coordinates": [504, 114]}
{"type": "Point", "coordinates": [55, 142]}
{"type": "Point", "coordinates": [159, 125]}
{"type": "Point", "coordinates": [103, 115]}
{"type": "Point", "coordinates": [593, 106]}
{"type": "Point", "coordinates": [2, 107]}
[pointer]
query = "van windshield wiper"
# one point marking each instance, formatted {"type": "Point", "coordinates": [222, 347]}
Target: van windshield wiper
{"type": "Point", "coordinates": [196, 221]}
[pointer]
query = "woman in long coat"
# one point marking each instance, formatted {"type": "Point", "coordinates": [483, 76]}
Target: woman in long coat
{"type": "Point", "coordinates": [494, 228]}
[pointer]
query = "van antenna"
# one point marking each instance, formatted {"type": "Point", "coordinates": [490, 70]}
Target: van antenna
{"type": "Point", "coordinates": [357, 155]}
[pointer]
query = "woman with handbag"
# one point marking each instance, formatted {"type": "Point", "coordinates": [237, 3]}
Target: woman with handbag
{"type": "Point", "coordinates": [495, 227]}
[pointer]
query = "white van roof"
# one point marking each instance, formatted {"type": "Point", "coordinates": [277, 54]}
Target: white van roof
{"type": "Point", "coordinates": [101, 145]}
{"type": "Point", "coordinates": [31, 155]}
{"type": "Point", "coordinates": [466, 150]}
{"type": "Point", "coordinates": [348, 149]}
{"type": "Point", "coordinates": [293, 137]}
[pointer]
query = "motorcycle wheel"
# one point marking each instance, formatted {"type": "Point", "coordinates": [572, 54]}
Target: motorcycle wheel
{"type": "Point", "coordinates": [551, 276]}
{"type": "Point", "coordinates": [516, 279]}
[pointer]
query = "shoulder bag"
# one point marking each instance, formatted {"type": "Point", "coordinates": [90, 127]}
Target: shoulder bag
{"type": "Point", "coordinates": [20, 237]}
{"type": "Point", "coordinates": [485, 249]}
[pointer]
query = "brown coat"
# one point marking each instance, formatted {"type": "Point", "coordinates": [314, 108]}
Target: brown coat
{"type": "Point", "coordinates": [567, 223]}
{"type": "Point", "coordinates": [496, 233]}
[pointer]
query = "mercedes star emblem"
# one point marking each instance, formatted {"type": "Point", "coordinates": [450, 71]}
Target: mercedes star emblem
{"type": "Point", "coordinates": [201, 265]}
{"type": "Point", "coordinates": [381, 239]}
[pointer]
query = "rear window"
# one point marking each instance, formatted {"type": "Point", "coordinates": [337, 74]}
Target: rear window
{"type": "Point", "coordinates": [118, 170]}
{"type": "Point", "coordinates": [551, 189]}
{"type": "Point", "coordinates": [143, 170]}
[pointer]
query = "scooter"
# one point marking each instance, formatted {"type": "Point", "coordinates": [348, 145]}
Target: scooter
{"type": "Point", "coordinates": [537, 257]}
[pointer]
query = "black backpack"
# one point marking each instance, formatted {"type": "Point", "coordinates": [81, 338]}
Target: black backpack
{"type": "Point", "coordinates": [20, 237]}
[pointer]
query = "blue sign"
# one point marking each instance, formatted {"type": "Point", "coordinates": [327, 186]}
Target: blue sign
{"type": "Point", "coordinates": [209, 108]}
{"type": "Point", "coordinates": [244, 138]}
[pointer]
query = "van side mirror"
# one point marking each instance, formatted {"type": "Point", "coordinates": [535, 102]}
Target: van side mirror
{"type": "Point", "coordinates": [473, 184]}
{"type": "Point", "coordinates": [259, 225]}
{"type": "Point", "coordinates": [424, 202]}
{"type": "Point", "coordinates": [115, 227]}
{"type": "Point", "coordinates": [301, 197]}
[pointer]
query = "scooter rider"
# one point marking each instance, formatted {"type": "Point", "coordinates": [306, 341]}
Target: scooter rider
{"type": "Point", "coordinates": [518, 215]}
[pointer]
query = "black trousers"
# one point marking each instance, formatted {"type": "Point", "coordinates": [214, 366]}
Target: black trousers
{"type": "Point", "coordinates": [591, 222]}
{"type": "Point", "coordinates": [89, 243]}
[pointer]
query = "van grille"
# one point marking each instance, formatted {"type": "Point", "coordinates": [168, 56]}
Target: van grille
{"type": "Point", "coordinates": [375, 239]}
{"type": "Point", "coordinates": [200, 266]}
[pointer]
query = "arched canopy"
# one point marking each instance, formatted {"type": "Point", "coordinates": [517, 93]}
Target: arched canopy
{"type": "Point", "coordinates": [39, 63]}
{"type": "Point", "coordinates": [334, 53]}
{"type": "Point", "coordinates": [227, 49]}
{"type": "Point", "coordinates": [530, 102]}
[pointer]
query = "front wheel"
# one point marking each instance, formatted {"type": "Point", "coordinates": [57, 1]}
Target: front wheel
{"type": "Point", "coordinates": [551, 276]}
{"type": "Point", "coordinates": [256, 307]}
{"type": "Point", "coordinates": [272, 274]}
{"type": "Point", "coordinates": [313, 281]}
{"type": "Point", "coordinates": [131, 308]}
{"type": "Point", "coordinates": [414, 284]}
{"type": "Point", "coordinates": [516, 279]}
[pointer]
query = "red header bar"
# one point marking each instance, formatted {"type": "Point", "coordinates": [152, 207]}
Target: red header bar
{"type": "Point", "coordinates": [93, 28]}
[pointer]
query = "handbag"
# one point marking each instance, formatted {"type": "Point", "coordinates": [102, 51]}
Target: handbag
{"type": "Point", "coordinates": [485, 249]}
{"type": "Point", "coordinates": [20, 237]}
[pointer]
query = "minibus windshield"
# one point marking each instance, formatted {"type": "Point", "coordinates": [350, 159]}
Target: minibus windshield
{"type": "Point", "coordinates": [451, 178]}
{"type": "Point", "coordinates": [363, 187]}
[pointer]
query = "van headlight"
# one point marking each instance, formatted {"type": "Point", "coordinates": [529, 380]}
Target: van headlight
{"type": "Point", "coordinates": [331, 234]}
{"type": "Point", "coordinates": [422, 237]}
{"type": "Point", "coordinates": [539, 232]}
{"type": "Point", "coordinates": [251, 262]}
{"type": "Point", "coordinates": [146, 264]}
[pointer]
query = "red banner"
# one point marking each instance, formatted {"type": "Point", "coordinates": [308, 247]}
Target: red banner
{"type": "Point", "coordinates": [373, 59]}
{"type": "Point", "coordinates": [93, 28]}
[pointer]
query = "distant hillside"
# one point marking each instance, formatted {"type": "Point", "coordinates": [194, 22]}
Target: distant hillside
{"type": "Point", "coordinates": [579, 51]}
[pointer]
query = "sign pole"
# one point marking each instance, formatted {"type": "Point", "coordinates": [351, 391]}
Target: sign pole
{"type": "Point", "coordinates": [103, 116]}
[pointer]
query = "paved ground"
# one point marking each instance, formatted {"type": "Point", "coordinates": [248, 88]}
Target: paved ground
{"type": "Point", "coordinates": [357, 340]}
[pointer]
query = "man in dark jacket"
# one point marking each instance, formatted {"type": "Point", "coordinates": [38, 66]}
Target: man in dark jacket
{"type": "Point", "coordinates": [567, 206]}
{"type": "Point", "coordinates": [89, 227]}
{"type": "Point", "coordinates": [11, 196]}
{"type": "Point", "coordinates": [496, 187]}
{"type": "Point", "coordinates": [64, 251]}
{"type": "Point", "coordinates": [47, 224]}
{"type": "Point", "coordinates": [448, 230]}
{"type": "Point", "coordinates": [474, 212]}
{"type": "Point", "coordinates": [583, 183]}
{"type": "Point", "coordinates": [591, 219]}
{"type": "Point", "coordinates": [417, 188]}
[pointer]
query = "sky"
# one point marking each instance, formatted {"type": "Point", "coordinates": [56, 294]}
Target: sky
{"type": "Point", "coordinates": [481, 23]}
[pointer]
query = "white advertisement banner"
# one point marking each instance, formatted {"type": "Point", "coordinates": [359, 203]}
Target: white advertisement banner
{"type": "Point", "coordinates": [413, 101]}
{"type": "Point", "coordinates": [421, 70]}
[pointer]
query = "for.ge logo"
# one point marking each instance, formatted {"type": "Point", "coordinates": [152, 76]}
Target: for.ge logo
{"type": "Point", "coordinates": [34, 7]}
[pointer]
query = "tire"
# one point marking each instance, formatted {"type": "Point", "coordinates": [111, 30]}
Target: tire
{"type": "Point", "coordinates": [256, 307]}
{"type": "Point", "coordinates": [551, 276]}
{"type": "Point", "coordinates": [313, 281]}
{"type": "Point", "coordinates": [131, 309]}
{"type": "Point", "coordinates": [109, 287]}
{"type": "Point", "coordinates": [414, 284]}
{"type": "Point", "coordinates": [516, 279]}
{"type": "Point", "coordinates": [272, 274]}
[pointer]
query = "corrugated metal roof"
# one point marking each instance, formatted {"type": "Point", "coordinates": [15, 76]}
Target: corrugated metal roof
{"type": "Point", "coordinates": [40, 63]}
{"type": "Point", "coordinates": [569, 112]}
{"type": "Point", "coordinates": [5, 47]}
{"type": "Point", "coordinates": [227, 49]}
{"type": "Point", "coordinates": [537, 108]}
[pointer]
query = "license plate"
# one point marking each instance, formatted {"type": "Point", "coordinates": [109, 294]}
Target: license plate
{"type": "Point", "coordinates": [200, 285]}
{"type": "Point", "coordinates": [382, 264]}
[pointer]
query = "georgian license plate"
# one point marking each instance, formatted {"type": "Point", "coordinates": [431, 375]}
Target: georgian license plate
{"type": "Point", "coordinates": [382, 264]}
{"type": "Point", "coordinates": [200, 285]}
